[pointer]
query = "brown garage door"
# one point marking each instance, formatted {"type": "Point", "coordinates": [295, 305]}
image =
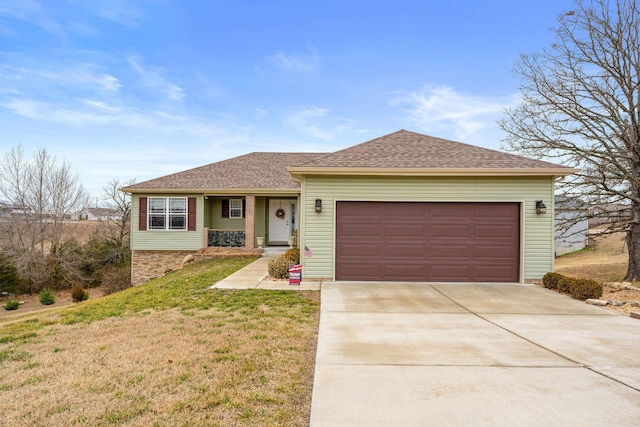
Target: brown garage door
{"type": "Point", "coordinates": [453, 242]}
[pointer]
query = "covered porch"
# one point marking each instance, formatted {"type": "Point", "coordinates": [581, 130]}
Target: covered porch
{"type": "Point", "coordinates": [250, 221]}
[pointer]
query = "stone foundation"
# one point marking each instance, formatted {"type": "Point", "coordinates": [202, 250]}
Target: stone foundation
{"type": "Point", "coordinates": [226, 252]}
{"type": "Point", "coordinates": [147, 265]}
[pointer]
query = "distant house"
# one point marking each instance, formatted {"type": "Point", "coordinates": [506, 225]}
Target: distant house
{"type": "Point", "coordinates": [7, 208]}
{"type": "Point", "coordinates": [608, 213]}
{"type": "Point", "coordinates": [571, 225]}
{"type": "Point", "coordinates": [99, 214]}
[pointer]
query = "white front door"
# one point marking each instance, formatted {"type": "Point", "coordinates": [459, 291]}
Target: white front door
{"type": "Point", "coordinates": [280, 223]}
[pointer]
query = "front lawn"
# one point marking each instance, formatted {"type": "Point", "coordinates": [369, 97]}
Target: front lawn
{"type": "Point", "coordinates": [169, 352]}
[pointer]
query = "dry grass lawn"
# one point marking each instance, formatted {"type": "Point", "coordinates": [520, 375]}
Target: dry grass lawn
{"type": "Point", "coordinates": [605, 261]}
{"type": "Point", "coordinates": [168, 353]}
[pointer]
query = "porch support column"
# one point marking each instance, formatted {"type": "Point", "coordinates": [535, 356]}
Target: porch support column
{"type": "Point", "coordinates": [250, 222]}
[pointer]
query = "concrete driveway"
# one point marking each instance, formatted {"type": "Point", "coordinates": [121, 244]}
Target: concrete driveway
{"type": "Point", "coordinates": [392, 354]}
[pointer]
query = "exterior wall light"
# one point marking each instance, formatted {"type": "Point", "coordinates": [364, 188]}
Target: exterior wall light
{"type": "Point", "coordinates": [541, 209]}
{"type": "Point", "coordinates": [318, 205]}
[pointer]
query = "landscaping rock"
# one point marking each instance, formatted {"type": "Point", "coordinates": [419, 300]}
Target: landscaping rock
{"type": "Point", "coordinates": [598, 302]}
{"type": "Point", "coordinates": [188, 259]}
{"type": "Point", "coordinates": [635, 314]}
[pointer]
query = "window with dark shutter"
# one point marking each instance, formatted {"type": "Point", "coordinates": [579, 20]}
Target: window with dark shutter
{"type": "Point", "coordinates": [142, 217]}
{"type": "Point", "coordinates": [233, 208]}
{"type": "Point", "coordinates": [225, 208]}
{"type": "Point", "coordinates": [191, 214]}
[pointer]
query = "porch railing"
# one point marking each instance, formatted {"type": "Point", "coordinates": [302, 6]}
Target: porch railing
{"type": "Point", "coordinates": [226, 238]}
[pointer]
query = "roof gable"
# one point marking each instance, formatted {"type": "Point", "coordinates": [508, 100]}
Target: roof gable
{"type": "Point", "coordinates": [410, 150]}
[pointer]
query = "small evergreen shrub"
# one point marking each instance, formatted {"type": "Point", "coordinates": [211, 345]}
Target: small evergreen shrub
{"type": "Point", "coordinates": [550, 280]}
{"type": "Point", "coordinates": [279, 267]}
{"type": "Point", "coordinates": [293, 255]}
{"type": "Point", "coordinates": [9, 278]}
{"type": "Point", "coordinates": [564, 284]}
{"type": "Point", "coordinates": [47, 297]}
{"type": "Point", "coordinates": [79, 293]}
{"type": "Point", "coordinates": [11, 305]}
{"type": "Point", "coordinates": [583, 289]}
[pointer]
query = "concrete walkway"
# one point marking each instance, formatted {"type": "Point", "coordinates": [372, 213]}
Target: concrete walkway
{"type": "Point", "coordinates": [255, 276]}
{"type": "Point", "coordinates": [472, 355]}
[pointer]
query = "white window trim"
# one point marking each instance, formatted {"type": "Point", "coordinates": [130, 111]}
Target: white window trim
{"type": "Point", "coordinates": [237, 209]}
{"type": "Point", "coordinates": [168, 214]}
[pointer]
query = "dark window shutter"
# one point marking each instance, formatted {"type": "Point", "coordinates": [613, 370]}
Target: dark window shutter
{"type": "Point", "coordinates": [142, 218]}
{"type": "Point", "coordinates": [225, 208]}
{"type": "Point", "coordinates": [243, 209]}
{"type": "Point", "coordinates": [191, 214]}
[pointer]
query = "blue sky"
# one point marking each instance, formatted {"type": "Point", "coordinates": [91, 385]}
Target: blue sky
{"type": "Point", "coordinates": [140, 89]}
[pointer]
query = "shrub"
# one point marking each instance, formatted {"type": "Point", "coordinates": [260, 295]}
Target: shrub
{"type": "Point", "coordinates": [293, 255]}
{"type": "Point", "coordinates": [550, 280]}
{"type": "Point", "coordinates": [56, 275]}
{"type": "Point", "coordinates": [116, 279]}
{"type": "Point", "coordinates": [11, 305]}
{"type": "Point", "coordinates": [47, 297]}
{"type": "Point", "coordinates": [279, 267]}
{"type": "Point", "coordinates": [79, 293]}
{"type": "Point", "coordinates": [583, 289]}
{"type": "Point", "coordinates": [564, 284]}
{"type": "Point", "coordinates": [9, 278]}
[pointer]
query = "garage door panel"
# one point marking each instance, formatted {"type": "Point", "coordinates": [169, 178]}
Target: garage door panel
{"type": "Point", "coordinates": [497, 211]}
{"type": "Point", "coordinates": [427, 241]}
{"type": "Point", "coordinates": [493, 252]}
{"type": "Point", "coordinates": [365, 271]}
{"type": "Point", "coordinates": [405, 210]}
{"type": "Point", "coordinates": [363, 249]}
{"type": "Point", "coordinates": [404, 230]}
{"type": "Point", "coordinates": [450, 231]}
{"type": "Point", "coordinates": [495, 274]}
{"type": "Point", "coordinates": [448, 251]}
{"type": "Point", "coordinates": [497, 231]}
{"type": "Point", "coordinates": [361, 229]}
{"type": "Point", "coordinates": [450, 273]}
{"type": "Point", "coordinates": [404, 271]}
{"type": "Point", "coordinates": [449, 211]}
{"type": "Point", "coordinates": [408, 250]}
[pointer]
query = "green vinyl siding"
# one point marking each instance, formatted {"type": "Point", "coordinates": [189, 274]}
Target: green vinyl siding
{"type": "Point", "coordinates": [537, 243]}
{"type": "Point", "coordinates": [261, 214]}
{"type": "Point", "coordinates": [167, 239]}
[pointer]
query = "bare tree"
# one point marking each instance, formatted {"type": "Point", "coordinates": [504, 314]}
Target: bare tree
{"type": "Point", "coordinates": [44, 196]}
{"type": "Point", "coordinates": [116, 231]}
{"type": "Point", "coordinates": [580, 105]}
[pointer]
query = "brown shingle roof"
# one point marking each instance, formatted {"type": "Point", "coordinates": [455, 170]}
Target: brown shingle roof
{"type": "Point", "coordinates": [250, 171]}
{"type": "Point", "coordinates": [401, 152]}
{"type": "Point", "coordinates": [410, 150]}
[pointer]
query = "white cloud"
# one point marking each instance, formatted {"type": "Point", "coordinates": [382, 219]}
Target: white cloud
{"type": "Point", "coordinates": [296, 62]}
{"type": "Point", "coordinates": [443, 109]}
{"type": "Point", "coordinates": [70, 77]}
{"type": "Point", "coordinates": [153, 78]}
{"type": "Point", "coordinates": [89, 112]}
{"type": "Point", "coordinates": [318, 123]}
{"type": "Point", "coordinates": [125, 13]}
{"type": "Point", "coordinates": [19, 9]}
